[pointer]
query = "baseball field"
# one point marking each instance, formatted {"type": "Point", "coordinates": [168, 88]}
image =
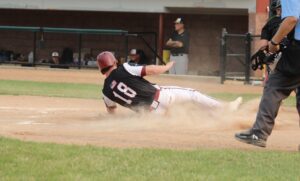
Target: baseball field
{"type": "Point", "coordinates": [54, 126]}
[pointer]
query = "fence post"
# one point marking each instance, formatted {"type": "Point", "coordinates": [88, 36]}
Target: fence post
{"type": "Point", "coordinates": [155, 48]}
{"type": "Point", "coordinates": [247, 57]}
{"type": "Point", "coordinates": [126, 47]}
{"type": "Point", "coordinates": [223, 54]}
{"type": "Point", "coordinates": [34, 48]}
{"type": "Point", "coordinates": [79, 50]}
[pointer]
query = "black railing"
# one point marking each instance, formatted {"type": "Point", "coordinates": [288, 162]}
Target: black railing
{"type": "Point", "coordinates": [242, 57]}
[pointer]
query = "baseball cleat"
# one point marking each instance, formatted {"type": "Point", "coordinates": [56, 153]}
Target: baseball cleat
{"type": "Point", "coordinates": [250, 138]}
{"type": "Point", "coordinates": [234, 105]}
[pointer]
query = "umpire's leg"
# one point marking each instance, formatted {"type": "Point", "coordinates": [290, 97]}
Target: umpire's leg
{"type": "Point", "coordinates": [298, 100]}
{"type": "Point", "coordinates": [298, 104]}
{"type": "Point", "coordinates": [277, 88]}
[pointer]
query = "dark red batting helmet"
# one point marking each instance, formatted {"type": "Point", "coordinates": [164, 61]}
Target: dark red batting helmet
{"type": "Point", "coordinates": [105, 61]}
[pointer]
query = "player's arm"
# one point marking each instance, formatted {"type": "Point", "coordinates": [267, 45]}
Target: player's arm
{"type": "Point", "coordinates": [286, 27]}
{"type": "Point", "coordinates": [111, 106]}
{"type": "Point", "coordinates": [291, 13]}
{"type": "Point", "coordinates": [263, 43]}
{"type": "Point", "coordinates": [175, 44]}
{"type": "Point", "coordinates": [142, 71]}
{"type": "Point", "coordinates": [158, 69]}
{"type": "Point", "coordinates": [111, 110]}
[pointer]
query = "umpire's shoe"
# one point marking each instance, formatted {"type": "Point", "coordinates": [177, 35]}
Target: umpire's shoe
{"type": "Point", "coordinates": [250, 138]}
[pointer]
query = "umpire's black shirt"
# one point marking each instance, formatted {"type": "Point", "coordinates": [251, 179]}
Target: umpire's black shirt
{"type": "Point", "coordinates": [270, 28]}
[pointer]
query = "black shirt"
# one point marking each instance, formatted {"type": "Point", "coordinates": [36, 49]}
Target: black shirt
{"type": "Point", "coordinates": [184, 38]}
{"type": "Point", "coordinates": [127, 87]}
{"type": "Point", "coordinates": [270, 28]}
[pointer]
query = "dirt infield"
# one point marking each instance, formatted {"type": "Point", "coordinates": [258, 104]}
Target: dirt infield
{"type": "Point", "coordinates": [80, 121]}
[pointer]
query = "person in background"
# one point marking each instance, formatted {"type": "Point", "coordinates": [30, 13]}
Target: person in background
{"type": "Point", "coordinates": [55, 58]}
{"type": "Point", "coordinates": [138, 56]}
{"type": "Point", "coordinates": [178, 44]}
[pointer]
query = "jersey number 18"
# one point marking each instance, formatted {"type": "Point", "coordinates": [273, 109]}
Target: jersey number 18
{"type": "Point", "coordinates": [127, 91]}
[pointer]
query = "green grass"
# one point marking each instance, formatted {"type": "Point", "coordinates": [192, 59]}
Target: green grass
{"type": "Point", "coordinates": [29, 161]}
{"type": "Point", "coordinates": [17, 87]}
{"type": "Point", "coordinates": [90, 91]}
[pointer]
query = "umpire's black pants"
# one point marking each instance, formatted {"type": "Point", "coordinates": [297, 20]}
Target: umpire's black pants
{"type": "Point", "coordinates": [298, 101]}
{"type": "Point", "coordinates": [281, 83]}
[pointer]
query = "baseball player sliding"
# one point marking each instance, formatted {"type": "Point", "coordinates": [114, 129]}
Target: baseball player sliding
{"type": "Point", "coordinates": [126, 86]}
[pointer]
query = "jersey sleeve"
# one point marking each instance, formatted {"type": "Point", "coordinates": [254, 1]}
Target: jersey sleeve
{"type": "Point", "coordinates": [109, 103]}
{"type": "Point", "coordinates": [136, 70]}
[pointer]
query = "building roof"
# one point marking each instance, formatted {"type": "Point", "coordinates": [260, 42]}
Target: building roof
{"type": "Point", "coordinates": [152, 6]}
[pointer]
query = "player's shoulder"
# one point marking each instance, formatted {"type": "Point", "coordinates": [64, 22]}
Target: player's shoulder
{"type": "Point", "coordinates": [129, 66]}
{"type": "Point", "coordinates": [130, 63]}
{"type": "Point", "coordinates": [134, 69]}
{"type": "Point", "coordinates": [186, 32]}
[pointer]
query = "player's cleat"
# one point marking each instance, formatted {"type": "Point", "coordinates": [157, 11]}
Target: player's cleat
{"type": "Point", "coordinates": [234, 105]}
{"type": "Point", "coordinates": [250, 138]}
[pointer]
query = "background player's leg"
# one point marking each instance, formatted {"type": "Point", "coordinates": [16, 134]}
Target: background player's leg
{"type": "Point", "coordinates": [186, 63]}
{"type": "Point", "coordinates": [173, 69]}
{"type": "Point", "coordinates": [181, 64]}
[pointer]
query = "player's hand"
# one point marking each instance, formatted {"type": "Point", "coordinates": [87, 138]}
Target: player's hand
{"type": "Point", "coordinates": [273, 48]}
{"type": "Point", "coordinates": [179, 44]}
{"type": "Point", "coordinates": [170, 64]}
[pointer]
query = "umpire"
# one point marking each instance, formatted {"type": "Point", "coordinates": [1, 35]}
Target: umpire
{"type": "Point", "coordinates": [179, 47]}
{"type": "Point", "coordinates": [283, 80]}
{"type": "Point", "coordinates": [267, 33]}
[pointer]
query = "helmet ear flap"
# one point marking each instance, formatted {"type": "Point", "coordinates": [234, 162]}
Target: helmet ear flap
{"type": "Point", "coordinates": [104, 70]}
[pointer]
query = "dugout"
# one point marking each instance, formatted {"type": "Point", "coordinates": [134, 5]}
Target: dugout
{"type": "Point", "coordinates": [39, 42]}
{"type": "Point", "coordinates": [76, 36]}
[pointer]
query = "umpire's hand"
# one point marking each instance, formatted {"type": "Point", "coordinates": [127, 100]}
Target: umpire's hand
{"type": "Point", "coordinates": [273, 48]}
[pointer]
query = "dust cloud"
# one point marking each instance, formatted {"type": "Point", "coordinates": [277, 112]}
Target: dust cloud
{"type": "Point", "coordinates": [185, 126]}
{"type": "Point", "coordinates": [188, 116]}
